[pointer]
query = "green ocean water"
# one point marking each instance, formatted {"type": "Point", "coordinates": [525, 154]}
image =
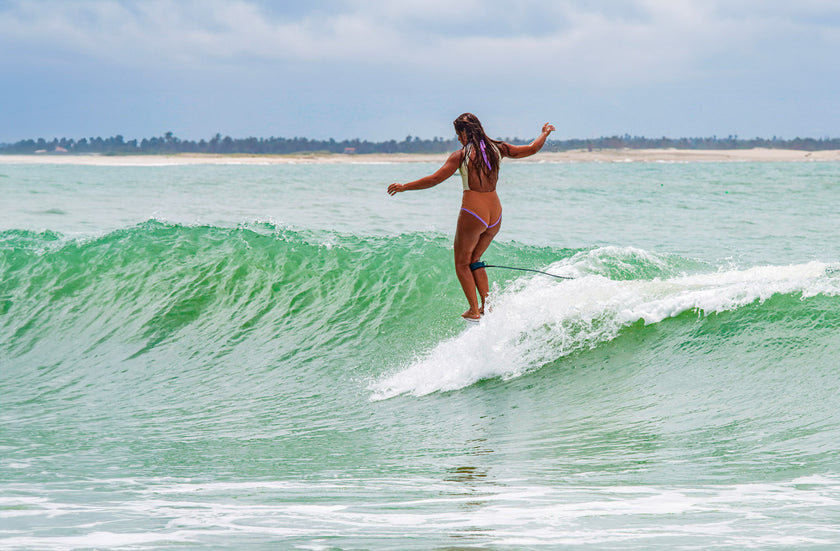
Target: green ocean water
{"type": "Point", "coordinates": [272, 357]}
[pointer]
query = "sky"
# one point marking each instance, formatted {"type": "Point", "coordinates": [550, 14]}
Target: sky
{"type": "Point", "coordinates": [387, 69]}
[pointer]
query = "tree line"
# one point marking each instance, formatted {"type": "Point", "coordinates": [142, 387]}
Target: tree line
{"type": "Point", "coordinates": [171, 144]}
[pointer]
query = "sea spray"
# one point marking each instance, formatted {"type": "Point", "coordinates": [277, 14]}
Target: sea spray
{"type": "Point", "coordinates": [537, 320]}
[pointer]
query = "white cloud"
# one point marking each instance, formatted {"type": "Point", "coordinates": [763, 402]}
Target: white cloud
{"type": "Point", "coordinates": [628, 42]}
{"type": "Point", "coordinates": [541, 53]}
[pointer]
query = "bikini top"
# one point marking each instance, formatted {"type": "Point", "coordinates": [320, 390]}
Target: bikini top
{"type": "Point", "coordinates": [464, 168]}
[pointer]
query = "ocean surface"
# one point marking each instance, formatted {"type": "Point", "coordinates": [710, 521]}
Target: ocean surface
{"type": "Point", "coordinates": [272, 357]}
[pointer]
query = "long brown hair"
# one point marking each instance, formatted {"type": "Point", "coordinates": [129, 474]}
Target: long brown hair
{"type": "Point", "coordinates": [470, 124]}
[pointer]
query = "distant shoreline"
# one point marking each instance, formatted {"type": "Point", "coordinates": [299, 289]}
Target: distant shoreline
{"type": "Point", "coordinates": [573, 156]}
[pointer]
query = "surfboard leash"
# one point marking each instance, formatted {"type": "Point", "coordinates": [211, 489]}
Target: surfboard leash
{"type": "Point", "coordinates": [477, 265]}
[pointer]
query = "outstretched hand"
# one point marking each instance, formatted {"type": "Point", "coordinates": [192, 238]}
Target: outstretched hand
{"type": "Point", "coordinates": [393, 189]}
{"type": "Point", "coordinates": [548, 128]}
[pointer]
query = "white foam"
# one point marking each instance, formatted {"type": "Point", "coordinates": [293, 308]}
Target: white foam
{"type": "Point", "coordinates": [505, 512]}
{"type": "Point", "coordinates": [537, 319]}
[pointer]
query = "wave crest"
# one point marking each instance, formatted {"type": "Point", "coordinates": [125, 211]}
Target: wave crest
{"type": "Point", "coordinates": [537, 320]}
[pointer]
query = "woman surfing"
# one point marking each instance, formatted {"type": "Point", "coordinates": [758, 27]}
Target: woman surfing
{"type": "Point", "coordinates": [480, 216]}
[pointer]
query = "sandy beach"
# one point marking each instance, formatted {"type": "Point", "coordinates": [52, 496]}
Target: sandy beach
{"type": "Point", "coordinates": [575, 156]}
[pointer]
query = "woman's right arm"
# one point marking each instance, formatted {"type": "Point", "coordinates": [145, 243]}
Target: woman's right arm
{"type": "Point", "coordinates": [444, 172]}
{"type": "Point", "coordinates": [519, 151]}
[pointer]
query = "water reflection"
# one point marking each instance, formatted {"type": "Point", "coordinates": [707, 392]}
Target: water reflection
{"type": "Point", "coordinates": [472, 486]}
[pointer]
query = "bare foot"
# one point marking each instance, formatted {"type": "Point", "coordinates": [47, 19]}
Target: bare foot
{"type": "Point", "coordinates": [471, 315]}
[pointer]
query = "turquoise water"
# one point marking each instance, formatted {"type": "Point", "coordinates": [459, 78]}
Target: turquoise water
{"type": "Point", "coordinates": [271, 357]}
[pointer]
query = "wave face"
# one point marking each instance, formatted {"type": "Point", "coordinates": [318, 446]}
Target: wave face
{"type": "Point", "coordinates": [181, 300]}
{"type": "Point", "coordinates": [302, 386]}
{"type": "Point", "coordinates": [291, 298]}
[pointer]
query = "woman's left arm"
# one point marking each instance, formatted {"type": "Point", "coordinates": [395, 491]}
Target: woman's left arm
{"type": "Point", "coordinates": [444, 172]}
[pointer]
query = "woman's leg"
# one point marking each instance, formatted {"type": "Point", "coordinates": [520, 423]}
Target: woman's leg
{"type": "Point", "coordinates": [468, 235]}
{"type": "Point", "coordinates": [480, 275]}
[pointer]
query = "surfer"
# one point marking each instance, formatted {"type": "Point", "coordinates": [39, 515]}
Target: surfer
{"type": "Point", "coordinates": [480, 216]}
